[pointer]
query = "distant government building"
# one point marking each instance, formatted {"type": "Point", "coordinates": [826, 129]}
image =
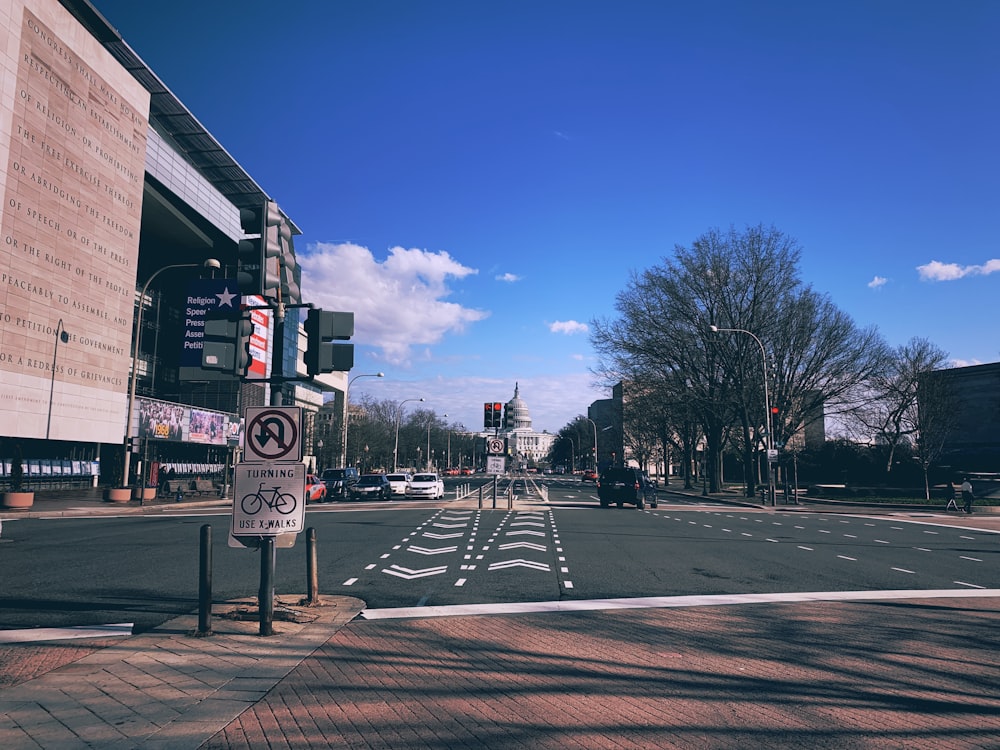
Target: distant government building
{"type": "Point", "coordinates": [114, 199]}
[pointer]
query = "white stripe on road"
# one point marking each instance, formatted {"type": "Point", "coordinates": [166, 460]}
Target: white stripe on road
{"type": "Point", "coordinates": [30, 635]}
{"type": "Point", "coordinates": [654, 602]}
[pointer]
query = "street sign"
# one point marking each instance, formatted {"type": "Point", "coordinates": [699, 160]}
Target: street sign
{"type": "Point", "coordinates": [273, 433]}
{"type": "Point", "coordinates": [772, 455]}
{"type": "Point", "coordinates": [269, 499]}
{"type": "Point", "coordinates": [495, 465]}
{"type": "Point", "coordinates": [494, 446]}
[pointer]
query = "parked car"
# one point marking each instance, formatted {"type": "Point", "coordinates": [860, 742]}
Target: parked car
{"type": "Point", "coordinates": [398, 483]}
{"type": "Point", "coordinates": [315, 489]}
{"type": "Point", "coordinates": [589, 475]}
{"type": "Point", "coordinates": [372, 487]}
{"type": "Point", "coordinates": [426, 485]}
{"type": "Point", "coordinates": [339, 482]}
{"type": "Point", "coordinates": [466, 472]}
{"type": "Point", "coordinates": [622, 484]}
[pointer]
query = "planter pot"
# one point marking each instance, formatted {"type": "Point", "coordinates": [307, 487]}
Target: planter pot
{"type": "Point", "coordinates": [144, 493]}
{"type": "Point", "coordinates": [119, 495]}
{"type": "Point", "coordinates": [18, 499]}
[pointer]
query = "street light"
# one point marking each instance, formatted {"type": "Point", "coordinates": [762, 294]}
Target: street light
{"type": "Point", "coordinates": [767, 404]}
{"type": "Point", "coordinates": [347, 390]}
{"type": "Point", "coordinates": [210, 263]}
{"type": "Point", "coordinates": [571, 447]}
{"type": "Point", "coordinates": [61, 335]}
{"type": "Point", "coordinates": [399, 416]}
{"type": "Point", "coordinates": [448, 459]}
{"type": "Point", "coordinates": [595, 440]}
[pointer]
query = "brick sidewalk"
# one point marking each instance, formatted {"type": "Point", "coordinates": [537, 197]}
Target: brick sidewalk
{"type": "Point", "coordinates": [844, 675]}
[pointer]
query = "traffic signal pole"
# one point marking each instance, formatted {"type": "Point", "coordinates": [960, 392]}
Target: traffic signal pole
{"type": "Point", "coordinates": [268, 552]}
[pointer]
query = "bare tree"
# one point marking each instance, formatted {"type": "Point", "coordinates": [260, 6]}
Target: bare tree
{"type": "Point", "coordinates": [746, 282]}
{"type": "Point", "coordinates": [892, 410]}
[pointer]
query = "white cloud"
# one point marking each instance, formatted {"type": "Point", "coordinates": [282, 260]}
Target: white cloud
{"type": "Point", "coordinates": [398, 303]}
{"type": "Point", "coordinates": [965, 362]}
{"type": "Point", "coordinates": [877, 282]}
{"type": "Point", "coordinates": [937, 271]}
{"type": "Point", "coordinates": [509, 277]}
{"type": "Point", "coordinates": [568, 327]}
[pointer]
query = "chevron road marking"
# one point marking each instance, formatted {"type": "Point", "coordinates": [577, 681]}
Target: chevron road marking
{"type": "Point", "coordinates": [519, 564]}
{"type": "Point", "coordinates": [426, 551]}
{"type": "Point", "coordinates": [432, 535]}
{"type": "Point", "coordinates": [527, 545]}
{"type": "Point", "coordinates": [401, 572]}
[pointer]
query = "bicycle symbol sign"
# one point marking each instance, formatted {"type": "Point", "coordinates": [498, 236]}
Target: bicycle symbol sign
{"type": "Point", "coordinates": [270, 498]}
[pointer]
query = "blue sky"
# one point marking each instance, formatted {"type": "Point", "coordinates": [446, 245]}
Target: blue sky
{"type": "Point", "coordinates": [477, 180]}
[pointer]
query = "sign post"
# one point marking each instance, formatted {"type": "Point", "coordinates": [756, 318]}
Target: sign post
{"type": "Point", "coordinates": [270, 488]}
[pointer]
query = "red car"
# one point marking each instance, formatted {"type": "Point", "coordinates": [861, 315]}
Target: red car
{"type": "Point", "coordinates": [589, 475]}
{"type": "Point", "coordinates": [315, 489]}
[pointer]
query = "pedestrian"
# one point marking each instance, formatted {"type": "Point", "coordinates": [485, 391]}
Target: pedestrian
{"type": "Point", "coordinates": [967, 494]}
{"type": "Point", "coordinates": [952, 505]}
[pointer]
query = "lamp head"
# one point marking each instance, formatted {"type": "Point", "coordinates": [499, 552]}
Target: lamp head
{"type": "Point", "coordinates": [713, 328]}
{"type": "Point", "coordinates": [213, 264]}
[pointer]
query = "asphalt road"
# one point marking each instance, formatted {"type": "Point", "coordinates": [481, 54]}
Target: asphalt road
{"type": "Point", "coordinates": [144, 569]}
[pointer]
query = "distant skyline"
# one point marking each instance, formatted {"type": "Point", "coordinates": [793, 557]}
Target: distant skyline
{"type": "Point", "coordinates": [478, 181]}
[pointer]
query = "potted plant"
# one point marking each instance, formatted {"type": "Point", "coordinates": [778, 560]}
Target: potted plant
{"type": "Point", "coordinates": [115, 466]}
{"type": "Point", "coordinates": [17, 497]}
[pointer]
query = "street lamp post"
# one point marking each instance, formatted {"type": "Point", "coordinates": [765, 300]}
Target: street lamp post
{"type": "Point", "coordinates": [595, 440]}
{"type": "Point", "coordinates": [347, 391]}
{"type": "Point", "coordinates": [448, 459]}
{"type": "Point", "coordinates": [210, 263]}
{"type": "Point", "coordinates": [767, 405]}
{"type": "Point", "coordinates": [61, 335]}
{"type": "Point", "coordinates": [571, 451]}
{"type": "Point", "coordinates": [399, 417]}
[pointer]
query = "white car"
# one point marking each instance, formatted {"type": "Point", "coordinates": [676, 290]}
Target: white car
{"type": "Point", "coordinates": [400, 483]}
{"type": "Point", "coordinates": [425, 485]}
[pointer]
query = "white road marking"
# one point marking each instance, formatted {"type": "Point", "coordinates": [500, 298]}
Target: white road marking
{"type": "Point", "coordinates": [30, 635]}
{"type": "Point", "coordinates": [660, 602]}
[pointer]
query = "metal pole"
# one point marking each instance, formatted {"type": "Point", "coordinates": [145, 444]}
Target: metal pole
{"type": "Point", "coordinates": [312, 576]}
{"type": "Point", "coordinates": [60, 333]}
{"type": "Point", "coordinates": [265, 597]}
{"type": "Point", "coordinates": [210, 263]}
{"type": "Point", "coordinates": [205, 582]}
{"type": "Point", "coordinates": [347, 391]}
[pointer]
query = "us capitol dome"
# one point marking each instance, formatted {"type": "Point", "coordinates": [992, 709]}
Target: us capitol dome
{"type": "Point", "coordinates": [524, 445]}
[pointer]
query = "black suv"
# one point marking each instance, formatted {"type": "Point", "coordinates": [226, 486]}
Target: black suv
{"type": "Point", "coordinates": [339, 482]}
{"type": "Point", "coordinates": [619, 484]}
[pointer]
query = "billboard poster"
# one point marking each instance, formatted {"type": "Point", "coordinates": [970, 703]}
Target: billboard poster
{"type": "Point", "coordinates": [208, 296]}
{"type": "Point", "coordinates": [208, 427]}
{"type": "Point", "coordinates": [159, 420]}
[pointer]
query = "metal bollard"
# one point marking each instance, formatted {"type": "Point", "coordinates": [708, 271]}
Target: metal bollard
{"type": "Point", "coordinates": [205, 582]}
{"type": "Point", "coordinates": [480, 497]}
{"type": "Point", "coordinates": [312, 574]}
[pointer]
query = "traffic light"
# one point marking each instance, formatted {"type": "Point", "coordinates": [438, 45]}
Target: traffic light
{"type": "Point", "coordinates": [322, 329]}
{"type": "Point", "coordinates": [226, 344]}
{"type": "Point", "coordinates": [492, 415]}
{"type": "Point", "coordinates": [259, 257]}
